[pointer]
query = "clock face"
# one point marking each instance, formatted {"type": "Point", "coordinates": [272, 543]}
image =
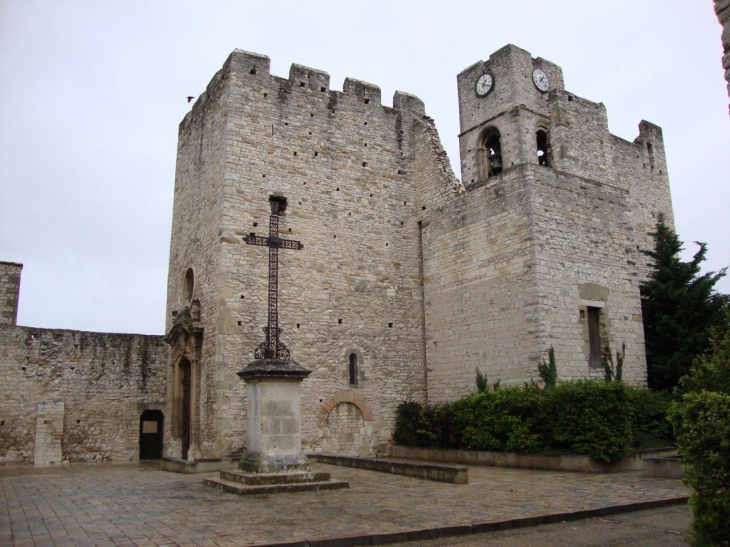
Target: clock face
{"type": "Point", "coordinates": [484, 84]}
{"type": "Point", "coordinates": [541, 80]}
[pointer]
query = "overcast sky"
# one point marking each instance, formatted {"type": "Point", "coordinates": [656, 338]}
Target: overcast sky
{"type": "Point", "coordinates": [92, 92]}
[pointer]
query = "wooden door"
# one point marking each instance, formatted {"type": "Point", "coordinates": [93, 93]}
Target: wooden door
{"type": "Point", "coordinates": [186, 402]}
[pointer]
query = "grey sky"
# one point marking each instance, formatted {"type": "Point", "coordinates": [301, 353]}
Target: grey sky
{"type": "Point", "coordinates": [91, 94]}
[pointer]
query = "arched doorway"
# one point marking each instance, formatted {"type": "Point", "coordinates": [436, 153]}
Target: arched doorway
{"type": "Point", "coordinates": [151, 426]}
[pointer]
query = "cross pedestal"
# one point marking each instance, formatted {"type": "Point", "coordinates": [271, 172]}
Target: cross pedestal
{"type": "Point", "coordinates": [274, 416]}
{"type": "Point", "coordinates": [274, 461]}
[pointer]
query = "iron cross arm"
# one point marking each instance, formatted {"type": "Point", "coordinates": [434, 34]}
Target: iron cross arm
{"type": "Point", "coordinates": [271, 241]}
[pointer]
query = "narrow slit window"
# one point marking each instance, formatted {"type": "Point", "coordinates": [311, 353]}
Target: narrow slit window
{"type": "Point", "coordinates": [542, 148]}
{"type": "Point", "coordinates": [594, 336]}
{"type": "Point", "coordinates": [353, 369]}
{"type": "Point", "coordinates": [650, 151]}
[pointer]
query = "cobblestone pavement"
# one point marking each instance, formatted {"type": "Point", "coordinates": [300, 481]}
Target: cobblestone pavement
{"type": "Point", "coordinates": [139, 505]}
{"type": "Point", "coordinates": [665, 527]}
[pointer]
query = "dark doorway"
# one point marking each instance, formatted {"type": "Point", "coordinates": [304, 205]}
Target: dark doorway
{"type": "Point", "coordinates": [186, 373]}
{"type": "Point", "coordinates": [150, 435]}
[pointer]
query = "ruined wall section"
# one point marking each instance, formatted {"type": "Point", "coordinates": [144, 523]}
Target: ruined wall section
{"type": "Point", "coordinates": [722, 9]}
{"type": "Point", "coordinates": [585, 254]}
{"type": "Point", "coordinates": [437, 187]}
{"type": "Point", "coordinates": [9, 292]}
{"type": "Point", "coordinates": [579, 136]}
{"type": "Point", "coordinates": [196, 241]}
{"type": "Point", "coordinates": [436, 183]}
{"type": "Point", "coordinates": [343, 161]}
{"type": "Point", "coordinates": [481, 305]}
{"type": "Point", "coordinates": [104, 381]}
{"type": "Point", "coordinates": [643, 165]}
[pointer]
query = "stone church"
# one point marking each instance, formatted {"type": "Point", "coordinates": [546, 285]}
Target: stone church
{"type": "Point", "coordinates": [408, 281]}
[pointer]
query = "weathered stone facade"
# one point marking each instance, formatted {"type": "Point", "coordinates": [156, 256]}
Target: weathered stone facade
{"type": "Point", "coordinates": [722, 9]}
{"type": "Point", "coordinates": [406, 272]}
{"type": "Point", "coordinates": [409, 279]}
{"type": "Point", "coordinates": [75, 396]}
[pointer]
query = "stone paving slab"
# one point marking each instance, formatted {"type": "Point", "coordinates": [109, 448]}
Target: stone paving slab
{"type": "Point", "coordinates": [100, 505]}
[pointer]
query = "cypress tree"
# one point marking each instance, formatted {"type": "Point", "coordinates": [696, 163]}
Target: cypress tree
{"type": "Point", "coordinates": [680, 307]}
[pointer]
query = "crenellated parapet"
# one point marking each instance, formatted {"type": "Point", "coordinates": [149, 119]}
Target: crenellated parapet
{"type": "Point", "coordinates": [255, 69]}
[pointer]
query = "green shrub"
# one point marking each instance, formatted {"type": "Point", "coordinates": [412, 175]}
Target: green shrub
{"type": "Point", "coordinates": [597, 419]}
{"type": "Point", "coordinates": [590, 418]}
{"type": "Point", "coordinates": [702, 426]}
{"type": "Point", "coordinates": [503, 419]}
{"type": "Point", "coordinates": [482, 383]}
{"type": "Point", "coordinates": [649, 418]}
{"type": "Point", "coordinates": [611, 373]}
{"type": "Point", "coordinates": [548, 371]}
{"type": "Point", "coordinates": [414, 425]}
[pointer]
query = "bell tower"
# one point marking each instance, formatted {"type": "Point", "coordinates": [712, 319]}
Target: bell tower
{"type": "Point", "coordinates": [504, 112]}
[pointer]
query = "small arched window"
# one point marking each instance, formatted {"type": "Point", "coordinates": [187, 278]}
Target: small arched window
{"type": "Point", "coordinates": [490, 154]}
{"type": "Point", "coordinates": [353, 369]}
{"type": "Point", "coordinates": [542, 147]}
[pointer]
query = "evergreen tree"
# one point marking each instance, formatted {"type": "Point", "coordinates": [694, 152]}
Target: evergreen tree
{"type": "Point", "coordinates": [680, 307]}
{"type": "Point", "coordinates": [711, 370]}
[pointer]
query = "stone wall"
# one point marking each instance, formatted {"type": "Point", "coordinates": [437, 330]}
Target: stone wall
{"type": "Point", "coordinates": [722, 9]}
{"type": "Point", "coordinates": [101, 382]}
{"type": "Point", "coordinates": [9, 292]}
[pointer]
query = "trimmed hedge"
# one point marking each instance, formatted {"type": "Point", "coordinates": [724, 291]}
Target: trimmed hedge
{"type": "Point", "coordinates": [604, 420]}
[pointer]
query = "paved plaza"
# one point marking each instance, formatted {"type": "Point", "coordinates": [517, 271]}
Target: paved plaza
{"type": "Point", "coordinates": [139, 505]}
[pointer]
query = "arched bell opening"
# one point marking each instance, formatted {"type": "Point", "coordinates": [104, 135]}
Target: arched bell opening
{"type": "Point", "coordinates": [490, 153]}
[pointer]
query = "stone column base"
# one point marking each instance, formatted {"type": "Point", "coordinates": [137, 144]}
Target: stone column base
{"type": "Point", "coordinates": [257, 462]}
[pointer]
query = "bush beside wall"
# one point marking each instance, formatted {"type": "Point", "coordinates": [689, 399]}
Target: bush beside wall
{"type": "Point", "coordinates": [598, 419]}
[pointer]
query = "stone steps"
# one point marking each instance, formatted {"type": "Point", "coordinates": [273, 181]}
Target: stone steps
{"type": "Point", "coordinates": [259, 479]}
{"type": "Point", "coordinates": [249, 490]}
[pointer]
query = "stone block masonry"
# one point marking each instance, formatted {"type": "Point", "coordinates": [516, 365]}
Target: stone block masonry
{"type": "Point", "coordinates": [9, 292]}
{"type": "Point", "coordinates": [76, 396]}
{"type": "Point", "coordinates": [409, 279]}
{"type": "Point", "coordinates": [49, 434]}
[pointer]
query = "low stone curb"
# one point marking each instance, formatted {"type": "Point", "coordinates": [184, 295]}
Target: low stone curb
{"type": "Point", "coordinates": [480, 528]}
{"type": "Point", "coordinates": [450, 473]}
{"type": "Point", "coordinates": [549, 462]}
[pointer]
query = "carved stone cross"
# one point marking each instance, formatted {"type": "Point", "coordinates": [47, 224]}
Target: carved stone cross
{"type": "Point", "coordinates": [273, 348]}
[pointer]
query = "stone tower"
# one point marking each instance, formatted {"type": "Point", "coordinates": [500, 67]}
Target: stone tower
{"type": "Point", "coordinates": [353, 172]}
{"type": "Point", "coordinates": [542, 248]}
{"type": "Point", "coordinates": [409, 279]}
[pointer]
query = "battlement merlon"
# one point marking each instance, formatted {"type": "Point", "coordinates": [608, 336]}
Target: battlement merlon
{"type": "Point", "coordinates": [364, 91]}
{"type": "Point", "coordinates": [9, 292]}
{"type": "Point", "coordinates": [649, 132]}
